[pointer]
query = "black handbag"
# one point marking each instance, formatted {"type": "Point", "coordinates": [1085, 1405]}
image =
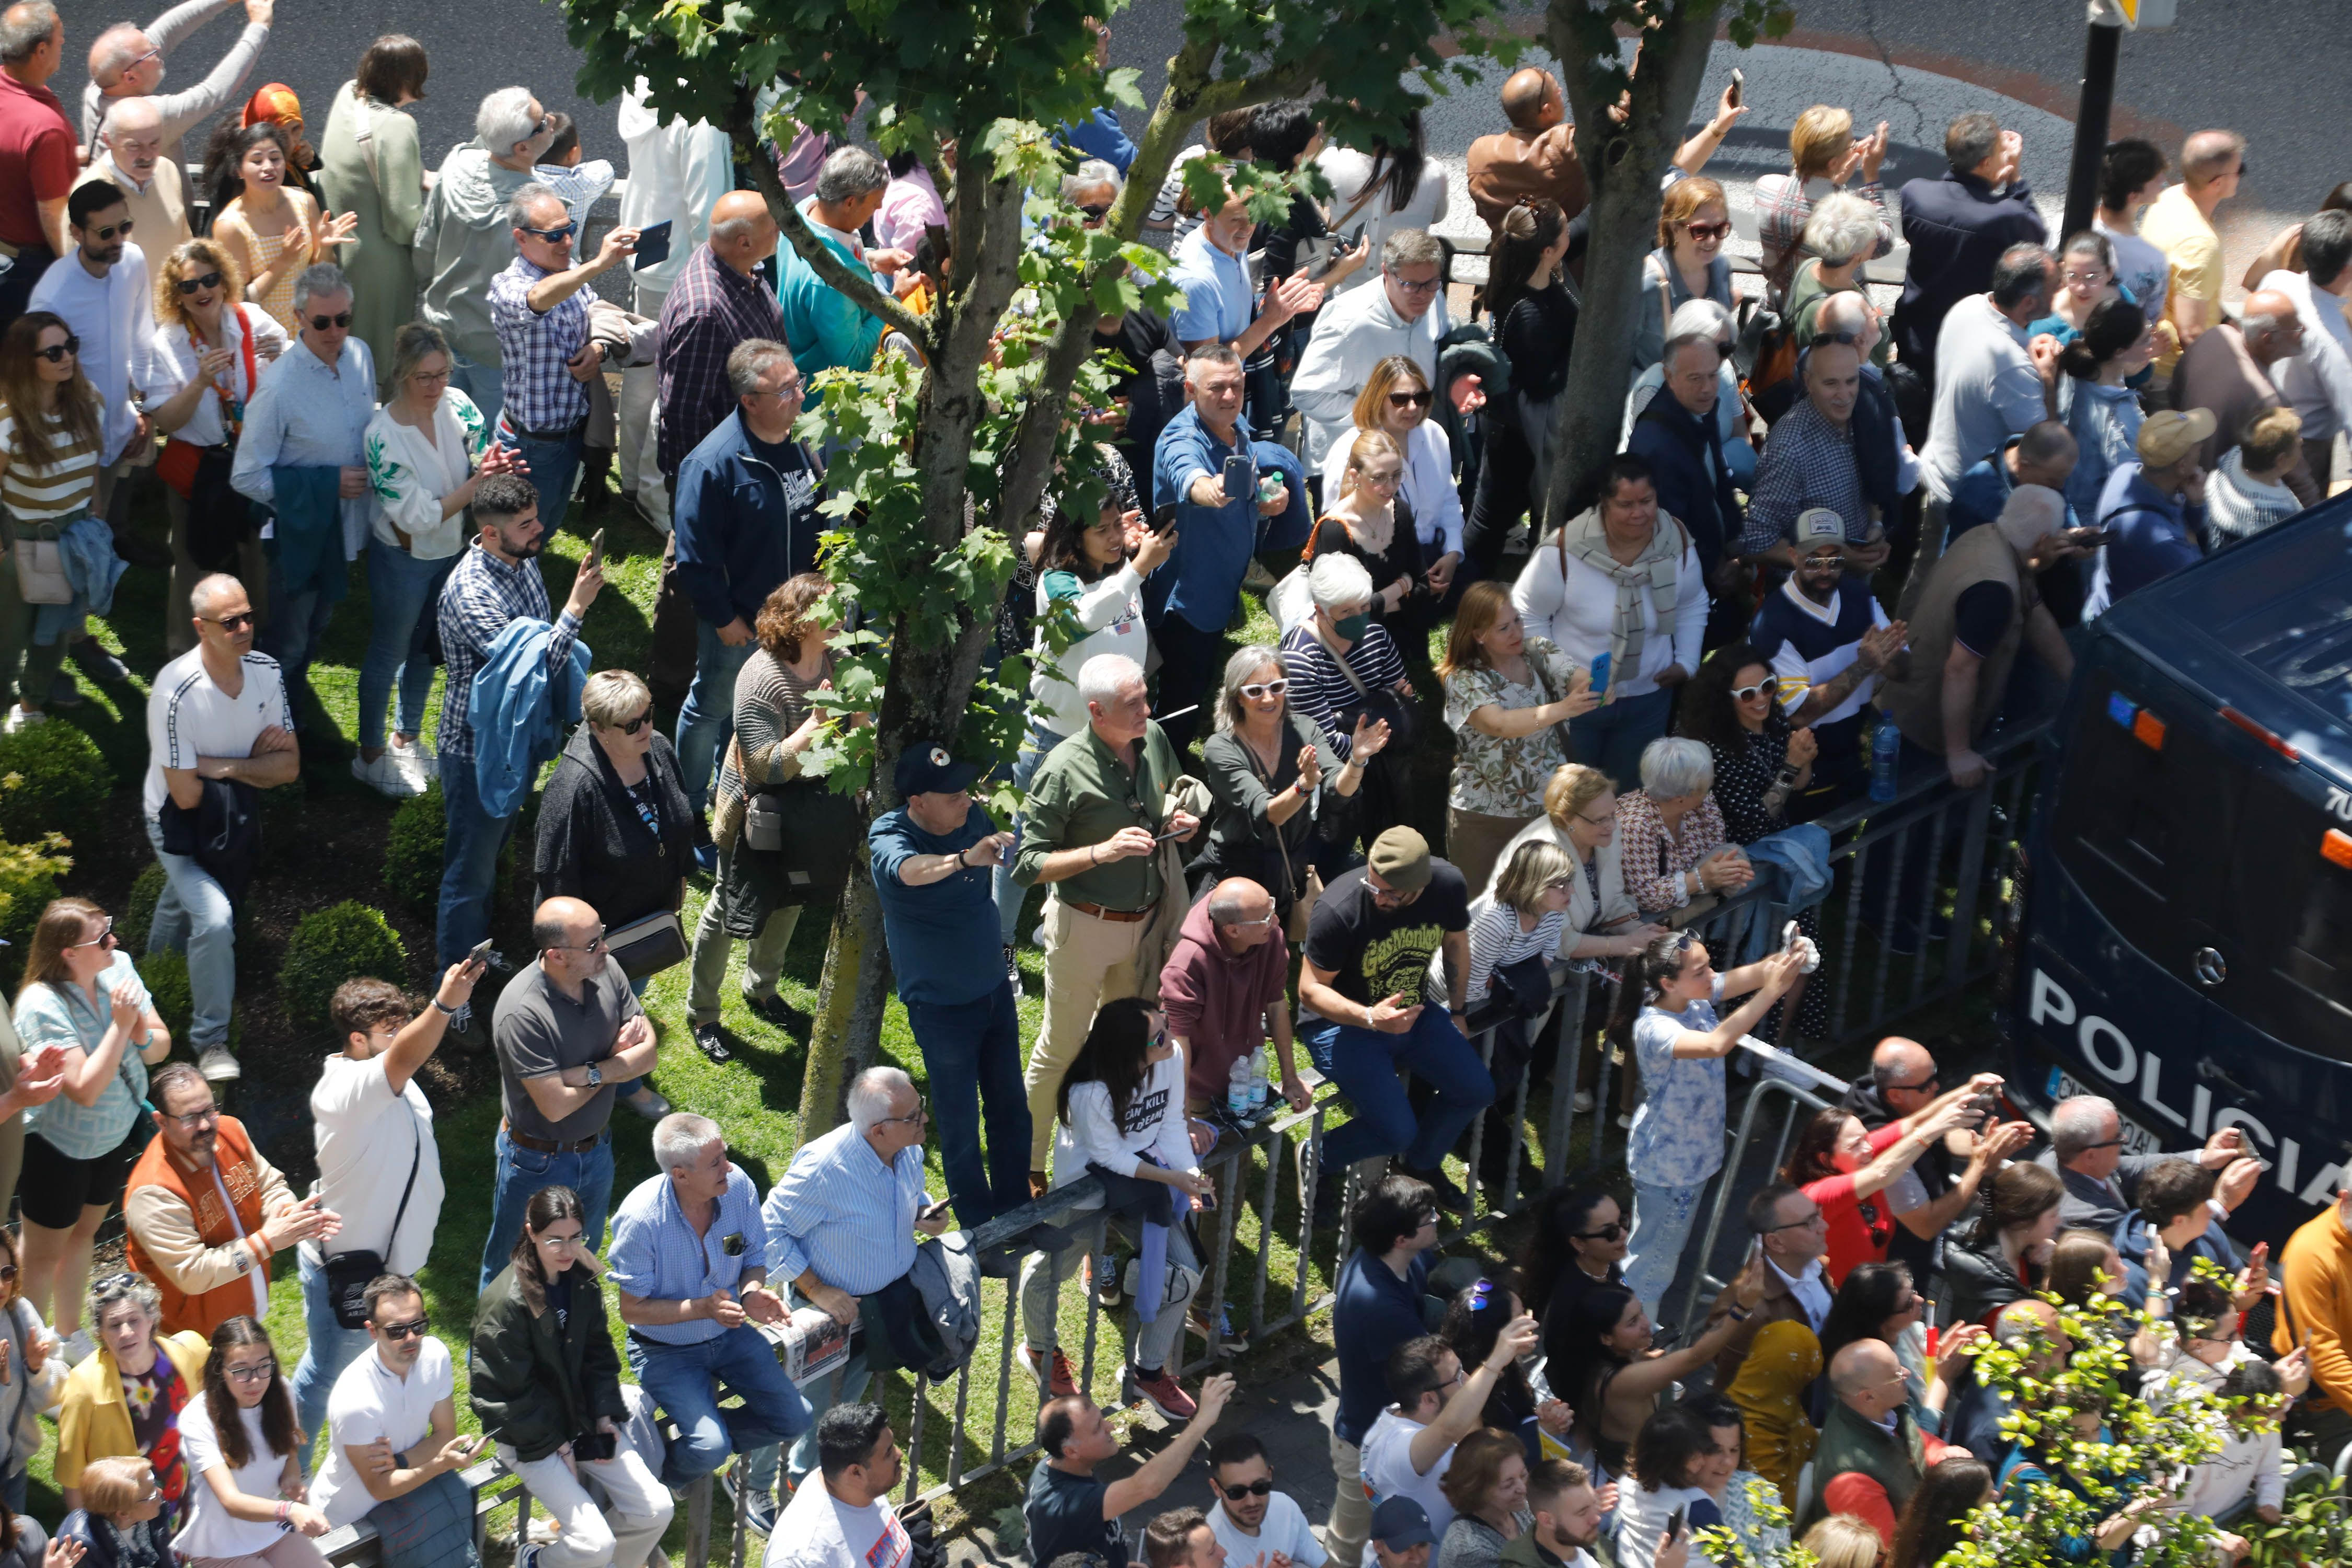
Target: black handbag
{"type": "Point", "coordinates": [812, 831]}
{"type": "Point", "coordinates": [1383, 704]}
{"type": "Point", "coordinates": [1518, 991]}
{"type": "Point", "coordinates": [349, 1273]}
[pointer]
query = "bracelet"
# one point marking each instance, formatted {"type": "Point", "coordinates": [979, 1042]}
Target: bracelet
{"type": "Point", "coordinates": [962, 864]}
{"type": "Point", "coordinates": [1094, 855]}
{"type": "Point", "coordinates": [437, 1002]}
{"type": "Point", "coordinates": [285, 1511]}
{"type": "Point", "coordinates": [1737, 1316]}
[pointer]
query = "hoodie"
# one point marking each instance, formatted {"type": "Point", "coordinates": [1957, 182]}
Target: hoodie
{"type": "Point", "coordinates": [1215, 1002]}
{"type": "Point", "coordinates": [462, 242]}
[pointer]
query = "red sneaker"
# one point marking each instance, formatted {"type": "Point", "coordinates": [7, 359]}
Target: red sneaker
{"type": "Point", "coordinates": [1164, 1394]}
{"type": "Point", "coordinates": [1061, 1384]}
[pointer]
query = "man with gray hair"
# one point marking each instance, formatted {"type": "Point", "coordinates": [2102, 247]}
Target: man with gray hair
{"type": "Point", "coordinates": [2086, 1150]}
{"type": "Point", "coordinates": [465, 236]}
{"type": "Point", "coordinates": [826, 327]}
{"type": "Point", "coordinates": [747, 521]}
{"type": "Point", "coordinates": [1680, 435]}
{"type": "Point", "coordinates": [1405, 315]}
{"type": "Point", "coordinates": [545, 350]}
{"type": "Point", "coordinates": [1100, 806]}
{"type": "Point", "coordinates": [689, 1258]}
{"type": "Point", "coordinates": [36, 139]}
{"type": "Point", "coordinates": [126, 62]}
{"type": "Point", "coordinates": [2227, 373]}
{"type": "Point", "coordinates": [133, 157]}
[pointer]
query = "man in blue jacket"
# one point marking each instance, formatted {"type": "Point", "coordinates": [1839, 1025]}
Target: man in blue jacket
{"type": "Point", "coordinates": [1957, 227]}
{"type": "Point", "coordinates": [746, 510]}
{"type": "Point", "coordinates": [2152, 511]}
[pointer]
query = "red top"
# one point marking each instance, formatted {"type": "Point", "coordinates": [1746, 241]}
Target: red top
{"type": "Point", "coordinates": [36, 158]}
{"type": "Point", "coordinates": [1859, 1228]}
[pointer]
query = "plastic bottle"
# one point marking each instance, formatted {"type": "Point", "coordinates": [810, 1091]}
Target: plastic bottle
{"type": "Point", "coordinates": [1259, 1088]}
{"type": "Point", "coordinates": [1885, 753]}
{"type": "Point", "coordinates": [1237, 1087]}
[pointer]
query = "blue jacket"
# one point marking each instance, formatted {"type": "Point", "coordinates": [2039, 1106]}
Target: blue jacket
{"type": "Point", "coordinates": [306, 548]}
{"type": "Point", "coordinates": [1203, 581]}
{"type": "Point", "coordinates": [1957, 227]}
{"type": "Point", "coordinates": [519, 713]}
{"type": "Point", "coordinates": [2150, 535]}
{"type": "Point", "coordinates": [744, 525]}
{"type": "Point", "coordinates": [1691, 488]}
{"type": "Point", "coordinates": [1100, 135]}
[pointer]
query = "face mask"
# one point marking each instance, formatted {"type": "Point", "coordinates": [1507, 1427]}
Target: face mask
{"type": "Point", "coordinates": [1351, 626]}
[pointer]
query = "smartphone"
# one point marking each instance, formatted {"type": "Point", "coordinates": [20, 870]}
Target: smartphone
{"type": "Point", "coordinates": [482, 953]}
{"type": "Point", "coordinates": [936, 1209]}
{"type": "Point", "coordinates": [1163, 518]}
{"type": "Point", "coordinates": [1241, 477]}
{"type": "Point", "coordinates": [595, 551]}
{"type": "Point", "coordinates": [1601, 673]}
{"type": "Point", "coordinates": [1739, 87]}
{"type": "Point", "coordinates": [653, 245]}
{"type": "Point", "coordinates": [1677, 1523]}
{"type": "Point", "coordinates": [593, 1445]}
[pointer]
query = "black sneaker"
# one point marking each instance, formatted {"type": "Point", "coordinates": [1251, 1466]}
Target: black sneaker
{"type": "Point", "coordinates": [1441, 1185]}
{"type": "Point", "coordinates": [774, 1009]}
{"type": "Point", "coordinates": [711, 1042]}
{"type": "Point", "coordinates": [64, 691]}
{"type": "Point", "coordinates": [97, 663]}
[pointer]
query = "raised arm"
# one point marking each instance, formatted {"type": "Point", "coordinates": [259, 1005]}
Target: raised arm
{"type": "Point", "coordinates": [1768, 980]}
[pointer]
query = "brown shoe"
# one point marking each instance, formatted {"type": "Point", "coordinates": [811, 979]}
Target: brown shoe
{"type": "Point", "coordinates": [1038, 1186]}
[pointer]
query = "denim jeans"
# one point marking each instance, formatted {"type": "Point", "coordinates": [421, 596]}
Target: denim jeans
{"type": "Point", "coordinates": [971, 1050]}
{"type": "Point", "coordinates": [1009, 893]}
{"type": "Point", "coordinates": [469, 862]}
{"type": "Point", "coordinates": [523, 1171]}
{"type": "Point", "coordinates": [298, 626]}
{"type": "Point", "coordinates": [684, 1381]}
{"type": "Point", "coordinates": [1611, 738]}
{"type": "Point", "coordinates": [707, 719]}
{"type": "Point", "coordinates": [1662, 1228]}
{"type": "Point", "coordinates": [1363, 1063]}
{"type": "Point", "coordinates": [485, 384]}
{"type": "Point", "coordinates": [554, 465]}
{"type": "Point", "coordinates": [193, 916]}
{"type": "Point", "coordinates": [331, 1348]}
{"type": "Point", "coordinates": [404, 598]}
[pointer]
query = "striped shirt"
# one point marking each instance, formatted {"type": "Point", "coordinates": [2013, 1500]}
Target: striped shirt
{"type": "Point", "coordinates": [656, 1256]}
{"type": "Point", "coordinates": [60, 487]}
{"type": "Point", "coordinates": [832, 1213]}
{"type": "Point", "coordinates": [481, 596]}
{"type": "Point", "coordinates": [1318, 688]}
{"type": "Point", "coordinates": [1496, 939]}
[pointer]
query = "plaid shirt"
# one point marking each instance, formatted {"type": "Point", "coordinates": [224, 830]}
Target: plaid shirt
{"type": "Point", "coordinates": [710, 309]}
{"type": "Point", "coordinates": [535, 347]}
{"type": "Point", "coordinates": [1781, 208]}
{"type": "Point", "coordinates": [1807, 462]}
{"type": "Point", "coordinates": [481, 596]}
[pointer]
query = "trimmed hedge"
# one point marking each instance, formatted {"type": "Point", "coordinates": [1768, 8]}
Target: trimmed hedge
{"type": "Point", "coordinates": [30, 874]}
{"type": "Point", "coordinates": [61, 784]}
{"type": "Point", "coordinates": [411, 849]}
{"type": "Point", "coordinates": [336, 944]}
{"type": "Point", "coordinates": [165, 974]}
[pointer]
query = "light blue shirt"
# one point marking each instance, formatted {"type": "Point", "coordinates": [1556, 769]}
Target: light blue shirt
{"type": "Point", "coordinates": [1677, 1137]}
{"type": "Point", "coordinates": [310, 416]}
{"type": "Point", "coordinates": [65, 1015]}
{"type": "Point", "coordinates": [656, 1256]}
{"type": "Point", "coordinates": [832, 1213]}
{"type": "Point", "coordinates": [1219, 298]}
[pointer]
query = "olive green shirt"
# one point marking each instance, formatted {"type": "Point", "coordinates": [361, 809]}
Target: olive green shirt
{"type": "Point", "coordinates": [1082, 794]}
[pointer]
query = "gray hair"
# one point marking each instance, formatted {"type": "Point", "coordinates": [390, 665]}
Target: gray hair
{"type": "Point", "coordinates": [410, 345]}
{"type": "Point", "coordinates": [1842, 228]}
{"type": "Point", "coordinates": [1101, 678]}
{"type": "Point", "coordinates": [748, 363]}
{"type": "Point", "coordinates": [526, 197]}
{"type": "Point", "coordinates": [849, 173]}
{"type": "Point", "coordinates": [110, 1293]}
{"type": "Point", "coordinates": [611, 696]}
{"type": "Point", "coordinates": [871, 1093]}
{"type": "Point", "coordinates": [1411, 247]}
{"type": "Point", "coordinates": [680, 1138]}
{"type": "Point", "coordinates": [1247, 660]}
{"type": "Point", "coordinates": [1700, 318]}
{"type": "Point", "coordinates": [35, 20]}
{"type": "Point", "coordinates": [112, 52]}
{"type": "Point", "coordinates": [1337, 581]}
{"type": "Point", "coordinates": [1677, 765]}
{"type": "Point", "coordinates": [207, 591]}
{"type": "Point", "coordinates": [505, 119]}
{"type": "Point", "coordinates": [2075, 1124]}
{"type": "Point", "coordinates": [1087, 176]}
{"type": "Point", "coordinates": [1682, 341]}
{"type": "Point", "coordinates": [320, 278]}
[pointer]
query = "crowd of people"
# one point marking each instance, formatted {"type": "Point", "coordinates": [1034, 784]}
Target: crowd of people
{"type": "Point", "coordinates": [346, 358]}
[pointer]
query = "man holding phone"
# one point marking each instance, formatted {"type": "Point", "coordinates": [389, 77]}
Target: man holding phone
{"type": "Point", "coordinates": [393, 1447]}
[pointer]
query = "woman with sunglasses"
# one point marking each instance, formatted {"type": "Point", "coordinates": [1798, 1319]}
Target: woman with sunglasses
{"type": "Point", "coordinates": [116, 1524]}
{"type": "Point", "coordinates": [1508, 698]}
{"type": "Point", "coordinates": [1396, 401]}
{"type": "Point", "coordinates": [1579, 1244]}
{"type": "Point", "coordinates": [1688, 264]}
{"type": "Point", "coordinates": [52, 428]}
{"type": "Point", "coordinates": [1474, 1320]}
{"type": "Point", "coordinates": [220, 348]}
{"type": "Point", "coordinates": [80, 993]}
{"type": "Point", "coordinates": [547, 1390]}
{"type": "Point", "coordinates": [249, 1502]}
{"type": "Point", "coordinates": [271, 230]}
{"type": "Point", "coordinates": [1880, 1301]}
{"type": "Point", "coordinates": [124, 1401]}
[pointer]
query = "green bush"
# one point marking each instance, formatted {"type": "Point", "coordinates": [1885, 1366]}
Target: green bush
{"type": "Point", "coordinates": [61, 783]}
{"type": "Point", "coordinates": [333, 946]}
{"type": "Point", "coordinates": [165, 972]}
{"type": "Point", "coordinates": [30, 874]}
{"type": "Point", "coordinates": [411, 850]}
{"type": "Point", "coordinates": [139, 914]}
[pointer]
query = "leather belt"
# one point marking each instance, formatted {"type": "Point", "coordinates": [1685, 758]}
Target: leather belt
{"type": "Point", "coordinates": [556, 434]}
{"type": "Point", "coordinates": [1120, 917]}
{"type": "Point", "coordinates": [548, 1145]}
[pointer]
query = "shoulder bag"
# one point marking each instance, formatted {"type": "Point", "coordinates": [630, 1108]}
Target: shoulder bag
{"type": "Point", "coordinates": [1381, 704]}
{"type": "Point", "coordinates": [1305, 890]}
{"type": "Point", "coordinates": [349, 1273]}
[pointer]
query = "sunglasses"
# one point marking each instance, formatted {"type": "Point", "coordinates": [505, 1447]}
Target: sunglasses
{"type": "Point", "coordinates": [1258, 689]}
{"type": "Point", "coordinates": [555, 236]}
{"type": "Point", "coordinates": [56, 352]}
{"type": "Point", "coordinates": [1420, 399]}
{"type": "Point", "coordinates": [236, 623]}
{"type": "Point", "coordinates": [105, 938]}
{"type": "Point", "coordinates": [325, 324]}
{"type": "Point", "coordinates": [1095, 214]}
{"type": "Point", "coordinates": [1614, 1232]}
{"type": "Point", "coordinates": [1481, 1294]}
{"type": "Point", "coordinates": [409, 1330]}
{"type": "Point", "coordinates": [631, 726]}
{"type": "Point", "coordinates": [198, 285]}
{"type": "Point", "coordinates": [1256, 1488]}
{"type": "Point", "coordinates": [1707, 230]}
{"type": "Point", "coordinates": [1750, 693]}
{"type": "Point", "coordinates": [111, 230]}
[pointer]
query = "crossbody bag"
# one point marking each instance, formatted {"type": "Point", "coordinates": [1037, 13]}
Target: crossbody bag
{"type": "Point", "coordinates": [349, 1273]}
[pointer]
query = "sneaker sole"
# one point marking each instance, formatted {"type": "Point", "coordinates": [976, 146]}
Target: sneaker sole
{"type": "Point", "coordinates": [1172, 1417]}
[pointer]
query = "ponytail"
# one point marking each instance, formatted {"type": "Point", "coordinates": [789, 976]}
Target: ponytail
{"type": "Point", "coordinates": [1647, 974]}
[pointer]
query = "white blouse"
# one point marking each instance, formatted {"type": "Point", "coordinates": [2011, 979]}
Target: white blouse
{"type": "Point", "coordinates": [1428, 488]}
{"type": "Point", "coordinates": [409, 475]}
{"type": "Point", "coordinates": [205, 426]}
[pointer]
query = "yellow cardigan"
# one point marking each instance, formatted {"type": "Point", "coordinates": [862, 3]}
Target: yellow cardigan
{"type": "Point", "coordinates": [94, 1423]}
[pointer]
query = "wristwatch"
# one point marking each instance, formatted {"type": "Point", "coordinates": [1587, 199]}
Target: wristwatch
{"type": "Point", "coordinates": [596, 1075]}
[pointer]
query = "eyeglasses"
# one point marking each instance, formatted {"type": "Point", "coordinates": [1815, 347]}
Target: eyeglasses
{"type": "Point", "coordinates": [553, 235]}
{"type": "Point", "coordinates": [105, 938]}
{"type": "Point", "coordinates": [1420, 399]}
{"type": "Point", "coordinates": [56, 352]}
{"type": "Point", "coordinates": [111, 230]}
{"type": "Point", "coordinates": [1612, 1232]}
{"type": "Point", "coordinates": [1392, 897]}
{"type": "Point", "coordinates": [2110, 1144]}
{"type": "Point", "coordinates": [410, 1330]}
{"type": "Point", "coordinates": [230, 623]}
{"type": "Point", "coordinates": [1930, 1082]}
{"type": "Point", "coordinates": [1813, 1218]}
{"type": "Point", "coordinates": [8, 1274]}
{"type": "Point", "coordinates": [1706, 230]}
{"type": "Point", "coordinates": [1750, 693]}
{"type": "Point", "coordinates": [596, 946]}
{"type": "Point", "coordinates": [916, 1118]}
{"type": "Point", "coordinates": [1597, 821]}
{"type": "Point", "coordinates": [631, 726]}
{"type": "Point", "coordinates": [329, 324]}
{"type": "Point", "coordinates": [198, 285]}
{"type": "Point", "coordinates": [194, 1119]}
{"type": "Point", "coordinates": [1095, 214]}
{"type": "Point", "coordinates": [1559, 884]}
{"type": "Point", "coordinates": [1256, 1488]}
{"type": "Point", "coordinates": [1427, 286]}
{"type": "Point", "coordinates": [2098, 276]}
{"type": "Point", "coordinates": [260, 1371]}
{"type": "Point", "coordinates": [1259, 690]}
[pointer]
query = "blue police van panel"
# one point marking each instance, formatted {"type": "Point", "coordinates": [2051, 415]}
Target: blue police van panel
{"type": "Point", "coordinates": [2186, 941]}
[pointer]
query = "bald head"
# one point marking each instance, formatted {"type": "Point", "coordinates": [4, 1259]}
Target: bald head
{"type": "Point", "coordinates": [1867, 1377]}
{"type": "Point", "coordinates": [2213, 157]}
{"type": "Point", "coordinates": [2272, 329]}
{"type": "Point", "coordinates": [1904, 1072]}
{"type": "Point", "coordinates": [1847, 311]}
{"type": "Point", "coordinates": [116, 57]}
{"type": "Point", "coordinates": [563, 924]}
{"type": "Point", "coordinates": [1530, 99]}
{"type": "Point", "coordinates": [743, 233]}
{"type": "Point", "coordinates": [131, 117]}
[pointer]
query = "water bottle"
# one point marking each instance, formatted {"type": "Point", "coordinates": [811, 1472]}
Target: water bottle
{"type": "Point", "coordinates": [1885, 753]}
{"type": "Point", "coordinates": [1259, 1088]}
{"type": "Point", "coordinates": [1237, 1088]}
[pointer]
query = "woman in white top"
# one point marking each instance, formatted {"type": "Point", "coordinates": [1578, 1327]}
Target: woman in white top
{"type": "Point", "coordinates": [221, 352]}
{"type": "Point", "coordinates": [426, 452]}
{"type": "Point", "coordinates": [242, 1444]}
{"type": "Point", "coordinates": [1122, 1115]}
{"type": "Point", "coordinates": [1397, 398]}
{"type": "Point", "coordinates": [1394, 185]}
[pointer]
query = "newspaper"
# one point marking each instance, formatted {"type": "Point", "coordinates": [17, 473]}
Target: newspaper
{"type": "Point", "coordinates": [809, 1343]}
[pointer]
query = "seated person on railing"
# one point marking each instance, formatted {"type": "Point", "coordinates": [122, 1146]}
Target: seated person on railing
{"type": "Point", "coordinates": [1069, 1507]}
{"type": "Point", "coordinates": [1376, 1309]}
{"type": "Point", "coordinates": [1513, 931]}
{"type": "Point", "coordinates": [2103, 1183]}
{"type": "Point", "coordinates": [1221, 989]}
{"type": "Point", "coordinates": [843, 1518]}
{"type": "Point", "coordinates": [392, 1448]}
{"type": "Point", "coordinates": [245, 1452]}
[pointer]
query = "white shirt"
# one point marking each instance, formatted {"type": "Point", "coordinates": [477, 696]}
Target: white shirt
{"type": "Point", "coordinates": [1388, 1470]}
{"type": "Point", "coordinates": [367, 1137]}
{"type": "Point", "coordinates": [1987, 390]}
{"type": "Point", "coordinates": [1577, 612]}
{"type": "Point", "coordinates": [114, 317]}
{"type": "Point", "coordinates": [210, 1530]}
{"type": "Point", "coordinates": [1808, 1289]}
{"type": "Point", "coordinates": [1348, 169]}
{"type": "Point", "coordinates": [1284, 1529]}
{"type": "Point", "coordinates": [2316, 382]}
{"type": "Point", "coordinates": [1428, 488]}
{"type": "Point", "coordinates": [370, 1404]}
{"type": "Point", "coordinates": [189, 716]}
{"type": "Point", "coordinates": [817, 1530]}
{"type": "Point", "coordinates": [205, 426]}
{"type": "Point", "coordinates": [1154, 1125]}
{"type": "Point", "coordinates": [677, 172]}
{"type": "Point", "coordinates": [1353, 334]}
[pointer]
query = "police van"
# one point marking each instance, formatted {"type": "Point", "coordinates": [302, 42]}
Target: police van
{"type": "Point", "coordinates": [2184, 945]}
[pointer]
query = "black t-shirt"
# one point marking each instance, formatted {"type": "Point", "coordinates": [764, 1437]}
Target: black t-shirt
{"type": "Point", "coordinates": [1065, 1513]}
{"type": "Point", "coordinates": [1981, 614]}
{"type": "Point", "coordinates": [1375, 953]}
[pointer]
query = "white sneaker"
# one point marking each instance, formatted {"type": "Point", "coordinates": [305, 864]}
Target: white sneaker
{"type": "Point", "coordinates": [1583, 1101]}
{"type": "Point", "coordinates": [414, 763]}
{"type": "Point", "coordinates": [78, 1347]}
{"type": "Point", "coordinates": [382, 776]}
{"type": "Point", "coordinates": [21, 717]}
{"type": "Point", "coordinates": [219, 1065]}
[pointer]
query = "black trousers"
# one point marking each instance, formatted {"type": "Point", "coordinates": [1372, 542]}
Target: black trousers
{"type": "Point", "coordinates": [1191, 663]}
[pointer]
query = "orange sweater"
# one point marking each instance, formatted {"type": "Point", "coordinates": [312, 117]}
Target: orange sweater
{"type": "Point", "coordinates": [2317, 1303]}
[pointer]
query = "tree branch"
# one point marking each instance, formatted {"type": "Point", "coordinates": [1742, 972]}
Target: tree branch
{"type": "Point", "coordinates": [856, 286]}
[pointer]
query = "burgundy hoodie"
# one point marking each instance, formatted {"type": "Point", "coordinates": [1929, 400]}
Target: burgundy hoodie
{"type": "Point", "coordinates": [1217, 1002]}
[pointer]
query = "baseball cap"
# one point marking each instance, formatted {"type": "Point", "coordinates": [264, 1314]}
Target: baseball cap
{"type": "Point", "coordinates": [1814, 524]}
{"type": "Point", "coordinates": [927, 768]}
{"type": "Point", "coordinates": [1400, 1524]}
{"type": "Point", "coordinates": [2169, 435]}
{"type": "Point", "coordinates": [1402, 858]}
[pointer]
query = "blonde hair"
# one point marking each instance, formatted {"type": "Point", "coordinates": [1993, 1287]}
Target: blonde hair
{"type": "Point", "coordinates": [1368, 444]}
{"type": "Point", "coordinates": [1819, 139]}
{"type": "Point", "coordinates": [611, 696]}
{"type": "Point", "coordinates": [115, 1484]}
{"type": "Point", "coordinates": [1532, 866]}
{"type": "Point", "coordinates": [2271, 438]}
{"type": "Point", "coordinates": [1373, 400]}
{"type": "Point", "coordinates": [170, 305]}
{"type": "Point", "coordinates": [1845, 1541]}
{"type": "Point", "coordinates": [63, 925]}
{"type": "Point", "coordinates": [1573, 787]}
{"type": "Point", "coordinates": [1684, 201]}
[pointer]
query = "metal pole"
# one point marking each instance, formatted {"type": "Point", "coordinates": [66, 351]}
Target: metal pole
{"type": "Point", "coordinates": [2098, 99]}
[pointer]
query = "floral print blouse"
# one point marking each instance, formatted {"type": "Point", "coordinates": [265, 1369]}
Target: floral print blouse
{"type": "Point", "coordinates": [1492, 776]}
{"type": "Point", "coordinates": [1656, 860]}
{"type": "Point", "coordinates": [1677, 1137]}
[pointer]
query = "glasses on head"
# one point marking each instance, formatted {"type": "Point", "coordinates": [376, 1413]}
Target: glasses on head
{"type": "Point", "coordinates": [235, 623]}
{"type": "Point", "coordinates": [1615, 1231]}
{"type": "Point", "coordinates": [335, 322]}
{"type": "Point", "coordinates": [413, 1330]}
{"type": "Point", "coordinates": [105, 937]}
{"type": "Point", "coordinates": [1481, 1294]}
{"type": "Point", "coordinates": [260, 1371]}
{"type": "Point", "coordinates": [1751, 693]}
{"type": "Point", "coordinates": [111, 230]}
{"type": "Point", "coordinates": [190, 1121]}
{"type": "Point", "coordinates": [555, 236]}
{"type": "Point", "coordinates": [1704, 231]}
{"type": "Point", "coordinates": [56, 352]}
{"type": "Point", "coordinates": [1420, 399]}
{"type": "Point", "coordinates": [1256, 691]}
{"type": "Point", "coordinates": [631, 726]}
{"type": "Point", "coordinates": [198, 285]}
{"type": "Point", "coordinates": [1254, 1488]}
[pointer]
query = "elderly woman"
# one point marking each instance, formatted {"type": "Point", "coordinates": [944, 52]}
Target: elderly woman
{"type": "Point", "coordinates": [1343, 668]}
{"type": "Point", "coordinates": [1703, 318]}
{"type": "Point", "coordinates": [1689, 264]}
{"type": "Point", "coordinates": [52, 426]}
{"type": "Point", "coordinates": [1266, 767]}
{"type": "Point", "coordinates": [370, 167]}
{"type": "Point", "coordinates": [118, 1522]}
{"type": "Point", "coordinates": [1679, 863]}
{"type": "Point", "coordinates": [427, 449]}
{"type": "Point", "coordinates": [1621, 581]}
{"type": "Point", "coordinates": [1397, 399]}
{"type": "Point", "coordinates": [247, 1503]}
{"type": "Point", "coordinates": [1825, 155]}
{"type": "Point", "coordinates": [1486, 1479]}
{"type": "Point", "coordinates": [1367, 519]}
{"type": "Point", "coordinates": [220, 350]}
{"type": "Point", "coordinates": [81, 995]}
{"type": "Point", "coordinates": [270, 228]}
{"type": "Point", "coordinates": [1844, 232]}
{"type": "Point", "coordinates": [1508, 698]}
{"type": "Point", "coordinates": [775, 724]}
{"type": "Point", "coordinates": [2116, 343]}
{"type": "Point", "coordinates": [125, 1400]}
